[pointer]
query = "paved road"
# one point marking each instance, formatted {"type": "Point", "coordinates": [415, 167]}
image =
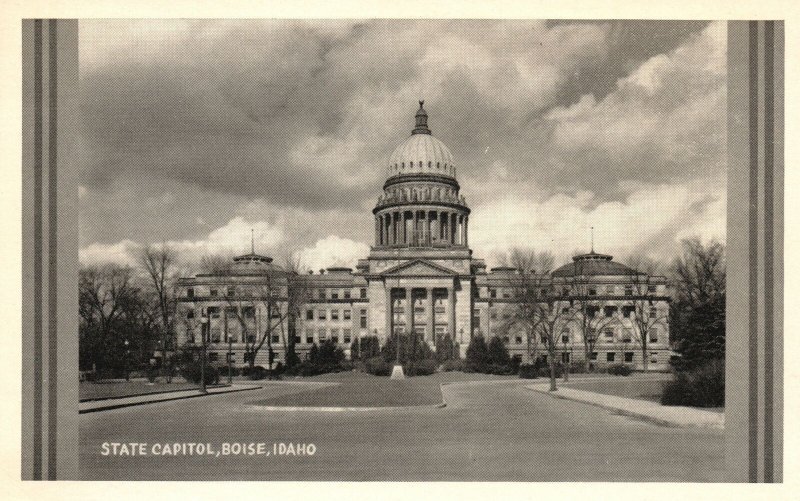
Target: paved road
{"type": "Point", "coordinates": [488, 431]}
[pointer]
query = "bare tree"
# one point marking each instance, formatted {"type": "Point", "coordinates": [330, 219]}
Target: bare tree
{"type": "Point", "coordinates": [159, 264]}
{"type": "Point", "coordinates": [534, 302]}
{"type": "Point", "coordinates": [644, 314]}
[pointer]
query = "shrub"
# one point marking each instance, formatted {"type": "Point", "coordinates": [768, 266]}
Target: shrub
{"type": "Point", "coordinates": [378, 366]}
{"type": "Point", "coordinates": [700, 387]}
{"type": "Point", "coordinates": [420, 367]}
{"type": "Point", "coordinates": [452, 365]}
{"type": "Point", "coordinates": [257, 372]}
{"type": "Point", "coordinates": [544, 370]}
{"type": "Point", "coordinates": [527, 371]}
{"type": "Point", "coordinates": [446, 348]}
{"type": "Point", "coordinates": [620, 370]}
{"type": "Point", "coordinates": [365, 348]}
{"type": "Point", "coordinates": [497, 369]}
{"type": "Point", "coordinates": [477, 358]}
{"type": "Point", "coordinates": [192, 372]}
{"type": "Point", "coordinates": [413, 347]}
{"type": "Point", "coordinates": [223, 371]}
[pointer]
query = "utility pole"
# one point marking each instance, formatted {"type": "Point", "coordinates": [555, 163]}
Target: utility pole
{"type": "Point", "coordinates": [204, 320]}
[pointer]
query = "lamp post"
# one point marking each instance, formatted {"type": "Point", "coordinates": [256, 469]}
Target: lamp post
{"type": "Point", "coordinates": [566, 359]}
{"type": "Point", "coordinates": [205, 325]}
{"type": "Point", "coordinates": [127, 372]}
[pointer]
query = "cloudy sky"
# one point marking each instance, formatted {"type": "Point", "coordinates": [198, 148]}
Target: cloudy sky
{"type": "Point", "coordinates": [194, 132]}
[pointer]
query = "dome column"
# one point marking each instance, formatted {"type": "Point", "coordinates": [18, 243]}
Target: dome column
{"type": "Point", "coordinates": [466, 231]}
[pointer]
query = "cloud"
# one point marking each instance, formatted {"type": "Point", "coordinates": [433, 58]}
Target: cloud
{"type": "Point", "coordinates": [333, 251]}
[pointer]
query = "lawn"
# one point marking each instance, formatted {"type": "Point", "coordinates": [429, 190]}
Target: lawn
{"type": "Point", "coordinates": [641, 389]}
{"type": "Point", "coordinates": [357, 389]}
{"type": "Point", "coordinates": [116, 388]}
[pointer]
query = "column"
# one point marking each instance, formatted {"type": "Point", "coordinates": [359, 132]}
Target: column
{"type": "Point", "coordinates": [414, 230]}
{"type": "Point", "coordinates": [393, 228]}
{"type": "Point", "coordinates": [403, 236]}
{"type": "Point", "coordinates": [466, 233]}
{"type": "Point", "coordinates": [377, 231]}
{"type": "Point", "coordinates": [427, 227]}
{"type": "Point", "coordinates": [430, 330]}
{"type": "Point", "coordinates": [453, 229]}
{"type": "Point", "coordinates": [389, 313]}
{"type": "Point", "coordinates": [383, 229]}
{"type": "Point", "coordinates": [409, 310]}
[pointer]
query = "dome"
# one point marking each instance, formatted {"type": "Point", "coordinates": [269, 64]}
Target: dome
{"type": "Point", "coordinates": [422, 153]}
{"type": "Point", "coordinates": [594, 264]}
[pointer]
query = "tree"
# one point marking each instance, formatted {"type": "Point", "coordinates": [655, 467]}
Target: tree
{"type": "Point", "coordinates": [497, 353]}
{"type": "Point", "coordinates": [159, 266]}
{"type": "Point", "coordinates": [698, 311]}
{"type": "Point", "coordinates": [535, 303]}
{"type": "Point", "coordinates": [644, 314]}
{"type": "Point", "coordinates": [477, 356]}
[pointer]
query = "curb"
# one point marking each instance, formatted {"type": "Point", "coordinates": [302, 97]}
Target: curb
{"type": "Point", "coordinates": [345, 409]}
{"type": "Point", "coordinates": [162, 392]}
{"type": "Point", "coordinates": [182, 397]}
{"type": "Point", "coordinates": [626, 412]}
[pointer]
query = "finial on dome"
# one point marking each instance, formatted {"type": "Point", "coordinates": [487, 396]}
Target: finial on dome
{"type": "Point", "coordinates": [422, 120]}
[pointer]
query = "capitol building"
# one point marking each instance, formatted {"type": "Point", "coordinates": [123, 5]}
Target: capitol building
{"type": "Point", "coordinates": [420, 276]}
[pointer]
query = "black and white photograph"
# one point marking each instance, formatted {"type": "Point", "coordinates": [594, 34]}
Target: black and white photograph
{"type": "Point", "coordinates": [402, 250]}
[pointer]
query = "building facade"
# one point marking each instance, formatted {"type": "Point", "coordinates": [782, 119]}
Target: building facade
{"type": "Point", "coordinates": [420, 276]}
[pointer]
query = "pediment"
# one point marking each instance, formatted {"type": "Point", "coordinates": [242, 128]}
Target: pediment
{"type": "Point", "coordinates": [418, 268]}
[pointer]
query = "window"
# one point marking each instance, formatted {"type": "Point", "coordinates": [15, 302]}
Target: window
{"type": "Point", "coordinates": [593, 356]}
{"type": "Point", "coordinates": [440, 329]}
{"type": "Point", "coordinates": [506, 293]}
{"type": "Point", "coordinates": [544, 339]}
{"type": "Point", "coordinates": [651, 289]}
{"type": "Point", "coordinates": [213, 292]}
{"type": "Point", "coordinates": [592, 311]}
{"type": "Point", "coordinates": [213, 312]}
{"type": "Point", "coordinates": [629, 356]}
{"type": "Point", "coordinates": [275, 312]}
{"type": "Point", "coordinates": [309, 336]}
{"type": "Point", "coordinates": [609, 333]}
{"type": "Point", "coordinates": [231, 291]}
{"type": "Point", "coordinates": [565, 358]}
{"type": "Point", "coordinates": [653, 357]}
{"type": "Point", "coordinates": [334, 314]}
{"type": "Point", "coordinates": [518, 339]}
{"type": "Point", "coordinates": [309, 314]}
{"type": "Point", "coordinates": [609, 289]}
{"type": "Point", "coordinates": [274, 292]}
{"type": "Point", "coordinates": [476, 313]}
{"type": "Point", "coordinates": [189, 292]}
{"type": "Point", "coordinates": [276, 339]}
{"type": "Point", "coordinates": [627, 334]}
{"type": "Point", "coordinates": [592, 291]}
{"type": "Point", "coordinates": [627, 310]}
{"type": "Point", "coordinates": [565, 309]}
{"type": "Point", "coordinates": [653, 312]}
{"type": "Point", "coordinates": [363, 293]}
{"type": "Point", "coordinates": [347, 293]}
{"type": "Point", "coordinates": [213, 357]}
{"type": "Point", "coordinates": [297, 340]}
{"type": "Point", "coordinates": [346, 315]}
{"type": "Point", "coordinates": [492, 292]}
{"type": "Point", "coordinates": [565, 292]}
{"type": "Point", "coordinates": [335, 294]}
{"type": "Point", "coordinates": [190, 314]}
{"type": "Point", "coordinates": [215, 335]}
{"type": "Point", "coordinates": [628, 290]}
{"type": "Point", "coordinates": [231, 358]}
{"type": "Point", "coordinates": [321, 293]}
{"type": "Point", "coordinates": [335, 335]}
{"type": "Point", "coordinates": [363, 322]}
{"type": "Point", "coordinates": [493, 314]}
{"type": "Point", "coordinates": [610, 311]}
{"type": "Point", "coordinates": [321, 314]}
{"type": "Point", "coordinates": [249, 312]}
{"type": "Point", "coordinates": [321, 335]}
{"type": "Point", "coordinates": [543, 292]}
{"type": "Point", "coordinates": [347, 335]}
{"type": "Point", "coordinates": [506, 339]}
{"type": "Point", "coordinates": [610, 357]}
{"type": "Point", "coordinates": [653, 335]}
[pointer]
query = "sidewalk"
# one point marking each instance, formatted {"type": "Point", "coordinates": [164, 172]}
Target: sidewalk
{"type": "Point", "coordinates": [676, 416]}
{"type": "Point", "coordinates": [117, 403]}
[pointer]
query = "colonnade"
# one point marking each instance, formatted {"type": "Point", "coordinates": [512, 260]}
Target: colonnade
{"type": "Point", "coordinates": [429, 295]}
{"type": "Point", "coordinates": [421, 227]}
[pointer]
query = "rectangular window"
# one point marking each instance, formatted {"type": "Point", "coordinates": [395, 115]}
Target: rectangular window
{"type": "Point", "coordinates": [518, 339]}
{"type": "Point", "coordinates": [565, 310]}
{"type": "Point", "coordinates": [309, 314]}
{"type": "Point", "coordinates": [321, 314]}
{"type": "Point", "coordinates": [363, 293]}
{"type": "Point", "coordinates": [592, 311]}
{"type": "Point", "coordinates": [274, 292]}
{"type": "Point", "coordinates": [346, 315]}
{"type": "Point", "coordinates": [190, 314]}
{"type": "Point", "coordinates": [506, 339]}
{"type": "Point", "coordinates": [651, 289]}
{"type": "Point", "coordinates": [653, 357]}
{"type": "Point", "coordinates": [213, 357]}
{"type": "Point", "coordinates": [653, 335]}
{"type": "Point", "coordinates": [335, 294]}
{"type": "Point", "coordinates": [492, 292]}
{"type": "Point", "coordinates": [276, 339]}
{"type": "Point", "coordinates": [610, 357]}
{"type": "Point", "coordinates": [565, 358]}
{"type": "Point", "coordinates": [363, 320]}
{"type": "Point", "coordinates": [216, 335]}
{"type": "Point", "coordinates": [321, 293]}
{"type": "Point", "coordinates": [309, 336]}
{"type": "Point", "coordinates": [213, 312]}
{"type": "Point", "coordinates": [334, 314]}
{"type": "Point", "coordinates": [565, 292]}
{"type": "Point", "coordinates": [335, 335]}
{"type": "Point", "coordinates": [249, 312]}
{"type": "Point", "coordinates": [629, 356]}
{"type": "Point", "coordinates": [628, 290]}
{"type": "Point", "coordinates": [231, 291]}
{"type": "Point", "coordinates": [593, 356]}
{"type": "Point", "coordinates": [476, 313]}
{"type": "Point", "coordinates": [627, 311]}
{"type": "Point", "coordinates": [506, 293]}
{"type": "Point", "coordinates": [440, 329]}
{"type": "Point", "coordinates": [297, 340]}
{"type": "Point", "coordinates": [610, 311]}
{"type": "Point", "coordinates": [189, 292]}
{"type": "Point", "coordinates": [543, 339]}
{"type": "Point", "coordinates": [565, 338]}
{"type": "Point", "coordinates": [592, 291]}
{"type": "Point", "coordinates": [213, 292]}
{"type": "Point", "coordinates": [347, 335]}
{"type": "Point", "coordinates": [627, 335]}
{"type": "Point", "coordinates": [322, 335]}
{"type": "Point", "coordinates": [609, 289]}
{"type": "Point", "coordinates": [347, 293]}
{"type": "Point", "coordinates": [231, 357]}
{"type": "Point", "coordinates": [493, 314]}
{"type": "Point", "coordinates": [653, 312]}
{"type": "Point", "coordinates": [609, 333]}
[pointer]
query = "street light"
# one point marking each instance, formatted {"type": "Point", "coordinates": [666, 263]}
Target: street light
{"type": "Point", "coordinates": [205, 325]}
{"type": "Point", "coordinates": [566, 359]}
{"type": "Point", "coordinates": [127, 372]}
{"type": "Point", "coordinates": [230, 359]}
